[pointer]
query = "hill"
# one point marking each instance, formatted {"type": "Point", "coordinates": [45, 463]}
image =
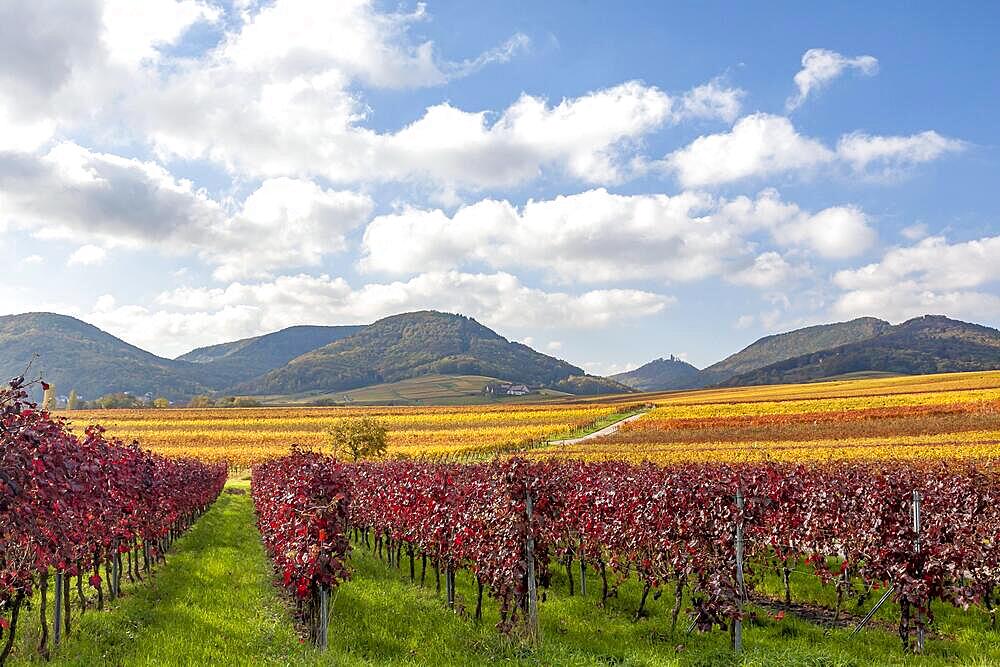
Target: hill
{"type": "Point", "coordinates": [661, 375]}
{"type": "Point", "coordinates": [422, 390]}
{"type": "Point", "coordinates": [410, 345]}
{"type": "Point", "coordinates": [226, 364]}
{"type": "Point", "coordinates": [779, 347]}
{"type": "Point", "coordinates": [75, 355]}
{"type": "Point", "coordinates": [928, 344]}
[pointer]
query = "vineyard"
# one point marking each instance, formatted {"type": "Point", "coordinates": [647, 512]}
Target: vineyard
{"type": "Point", "coordinates": [243, 437]}
{"type": "Point", "coordinates": [714, 514]}
{"type": "Point", "coordinates": [921, 533]}
{"type": "Point", "coordinates": [70, 505]}
{"type": "Point", "coordinates": [918, 419]}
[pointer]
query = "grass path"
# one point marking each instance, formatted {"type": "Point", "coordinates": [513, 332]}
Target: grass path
{"type": "Point", "coordinates": [213, 604]}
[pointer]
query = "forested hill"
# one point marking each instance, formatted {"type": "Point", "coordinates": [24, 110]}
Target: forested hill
{"type": "Point", "coordinates": [928, 344]}
{"type": "Point", "coordinates": [226, 364]}
{"type": "Point", "coordinates": [410, 345]}
{"type": "Point", "coordinates": [74, 355]}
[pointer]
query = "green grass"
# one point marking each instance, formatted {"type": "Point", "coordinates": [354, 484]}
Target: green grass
{"type": "Point", "coordinates": [597, 425]}
{"type": "Point", "coordinates": [213, 604]}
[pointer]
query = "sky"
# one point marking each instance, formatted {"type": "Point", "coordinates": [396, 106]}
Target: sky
{"type": "Point", "coordinates": [607, 182]}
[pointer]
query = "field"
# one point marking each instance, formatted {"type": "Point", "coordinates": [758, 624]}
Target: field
{"type": "Point", "coordinates": [953, 416]}
{"type": "Point", "coordinates": [833, 534]}
{"type": "Point", "coordinates": [243, 436]}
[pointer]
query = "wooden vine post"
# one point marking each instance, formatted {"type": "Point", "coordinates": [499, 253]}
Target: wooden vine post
{"type": "Point", "coordinates": [529, 554]}
{"type": "Point", "coordinates": [738, 623]}
{"type": "Point", "coordinates": [57, 611]}
{"type": "Point", "coordinates": [323, 622]}
{"type": "Point", "coordinates": [916, 550]}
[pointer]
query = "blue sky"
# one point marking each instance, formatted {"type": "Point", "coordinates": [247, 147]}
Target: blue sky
{"type": "Point", "coordinates": [610, 183]}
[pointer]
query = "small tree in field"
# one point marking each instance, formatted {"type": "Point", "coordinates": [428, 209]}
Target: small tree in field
{"type": "Point", "coordinates": [73, 403]}
{"type": "Point", "coordinates": [357, 439]}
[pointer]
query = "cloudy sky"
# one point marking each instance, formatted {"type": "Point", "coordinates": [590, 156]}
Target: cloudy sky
{"type": "Point", "coordinates": [609, 182]}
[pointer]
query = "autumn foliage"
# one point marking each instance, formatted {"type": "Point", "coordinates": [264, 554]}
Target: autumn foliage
{"type": "Point", "coordinates": [672, 524]}
{"type": "Point", "coordinates": [72, 503]}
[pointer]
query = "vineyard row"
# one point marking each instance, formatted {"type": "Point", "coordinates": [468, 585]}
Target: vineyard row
{"type": "Point", "coordinates": [70, 505]}
{"type": "Point", "coordinates": [709, 529]}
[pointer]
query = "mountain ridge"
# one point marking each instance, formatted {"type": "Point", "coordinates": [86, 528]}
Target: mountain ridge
{"type": "Point", "coordinates": [73, 354]}
{"type": "Point", "coordinates": [408, 345]}
{"type": "Point", "coordinates": [921, 345]}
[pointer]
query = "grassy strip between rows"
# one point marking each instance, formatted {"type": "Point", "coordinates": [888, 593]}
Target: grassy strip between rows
{"type": "Point", "coordinates": [211, 604]}
{"type": "Point", "coordinates": [597, 425]}
{"type": "Point", "coordinates": [214, 604]}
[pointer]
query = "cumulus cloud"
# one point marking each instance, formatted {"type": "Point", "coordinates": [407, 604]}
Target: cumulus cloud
{"type": "Point", "coordinates": [762, 145]}
{"type": "Point", "coordinates": [891, 155]}
{"type": "Point", "coordinates": [932, 276]}
{"type": "Point", "coordinates": [134, 32]}
{"type": "Point", "coordinates": [87, 255]}
{"type": "Point", "coordinates": [256, 124]}
{"type": "Point", "coordinates": [72, 192]}
{"type": "Point", "coordinates": [196, 316]}
{"type": "Point", "coordinates": [821, 66]}
{"type": "Point", "coordinates": [277, 97]}
{"type": "Point", "coordinates": [838, 232]}
{"type": "Point", "coordinates": [596, 236]}
{"type": "Point", "coordinates": [758, 145]}
{"type": "Point", "coordinates": [65, 62]}
{"type": "Point", "coordinates": [768, 270]}
{"type": "Point", "coordinates": [711, 100]}
{"type": "Point", "coordinates": [285, 222]}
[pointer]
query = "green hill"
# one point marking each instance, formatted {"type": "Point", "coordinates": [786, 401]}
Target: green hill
{"type": "Point", "coordinates": [231, 363]}
{"type": "Point", "coordinates": [779, 347]}
{"type": "Point", "coordinates": [410, 345]}
{"type": "Point", "coordinates": [661, 375]}
{"type": "Point", "coordinates": [76, 355]}
{"type": "Point", "coordinates": [928, 344]}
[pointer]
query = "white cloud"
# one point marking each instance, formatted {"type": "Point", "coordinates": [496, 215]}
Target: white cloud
{"type": "Point", "coordinates": [64, 64]}
{"type": "Point", "coordinates": [87, 255]}
{"type": "Point", "coordinates": [309, 125]}
{"type": "Point", "coordinates": [915, 232]}
{"type": "Point", "coordinates": [501, 54]}
{"type": "Point", "coordinates": [133, 31]}
{"type": "Point", "coordinates": [285, 223]}
{"type": "Point", "coordinates": [71, 192]}
{"type": "Point", "coordinates": [596, 236]}
{"type": "Point", "coordinates": [838, 232]}
{"type": "Point", "coordinates": [553, 346]}
{"type": "Point", "coordinates": [768, 270]}
{"type": "Point", "coordinates": [934, 261]}
{"type": "Point", "coordinates": [758, 145]}
{"type": "Point", "coordinates": [821, 66]}
{"type": "Point", "coordinates": [277, 98]}
{"type": "Point", "coordinates": [763, 145]}
{"type": "Point", "coordinates": [195, 316]}
{"type": "Point", "coordinates": [890, 155]}
{"type": "Point", "coordinates": [712, 100]}
{"type": "Point", "coordinates": [932, 276]}
{"type": "Point", "coordinates": [33, 259]}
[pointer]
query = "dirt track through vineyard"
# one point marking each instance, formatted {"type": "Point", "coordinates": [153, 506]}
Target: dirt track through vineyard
{"type": "Point", "coordinates": [600, 433]}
